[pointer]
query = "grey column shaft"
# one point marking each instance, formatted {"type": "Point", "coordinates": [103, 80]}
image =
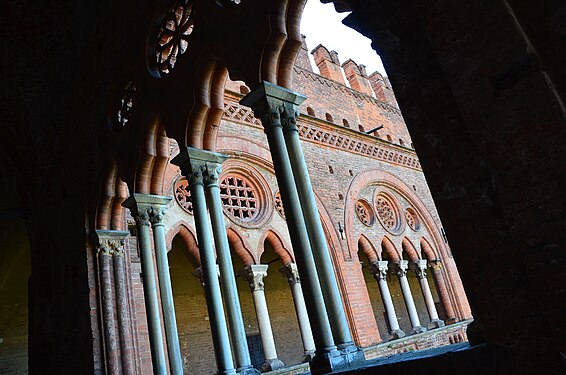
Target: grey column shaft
{"type": "Point", "coordinates": [112, 362]}
{"type": "Point", "coordinates": [167, 304]}
{"type": "Point", "coordinates": [388, 304]}
{"type": "Point", "coordinates": [218, 327]}
{"type": "Point", "coordinates": [151, 301]}
{"type": "Point", "coordinates": [299, 238]}
{"type": "Point", "coordinates": [229, 288]}
{"type": "Point", "coordinates": [319, 246]}
{"type": "Point", "coordinates": [123, 315]}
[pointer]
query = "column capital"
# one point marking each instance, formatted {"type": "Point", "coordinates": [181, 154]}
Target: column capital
{"type": "Point", "coordinates": [379, 269]}
{"type": "Point", "coordinates": [400, 267]}
{"type": "Point", "coordinates": [110, 242]}
{"type": "Point", "coordinates": [270, 101]}
{"type": "Point", "coordinates": [435, 265]}
{"type": "Point", "coordinates": [147, 208]}
{"type": "Point", "coordinates": [200, 166]}
{"type": "Point", "coordinates": [420, 268]}
{"type": "Point", "coordinates": [198, 274]}
{"type": "Point", "coordinates": [291, 272]}
{"type": "Point", "coordinates": [254, 274]}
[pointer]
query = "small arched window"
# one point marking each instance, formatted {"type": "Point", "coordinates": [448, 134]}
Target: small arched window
{"type": "Point", "coordinates": [310, 112]}
{"type": "Point", "coordinates": [244, 89]}
{"type": "Point", "coordinates": [361, 127]}
{"type": "Point", "coordinates": [376, 133]}
{"type": "Point", "coordinates": [401, 142]}
{"type": "Point", "coordinates": [389, 138]}
{"type": "Point", "coordinates": [345, 123]}
{"type": "Point", "coordinates": [329, 117]}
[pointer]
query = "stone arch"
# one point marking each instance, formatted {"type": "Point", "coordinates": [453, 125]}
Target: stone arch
{"type": "Point", "coordinates": [241, 247]}
{"type": "Point", "coordinates": [187, 235]}
{"type": "Point", "coordinates": [389, 247]}
{"type": "Point", "coordinates": [278, 244]}
{"type": "Point", "coordinates": [410, 249]}
{"type": "Point", "coordinates": [366, 246]}
{"type": "Point", "coordinates": [110, 213]}
{"type": "Point", "coordinates": [428, 250]}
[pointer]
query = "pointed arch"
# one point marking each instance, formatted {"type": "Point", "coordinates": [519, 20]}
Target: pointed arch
{"type": "Point", "coordinates": [160, 162]}
{"type": "Point", "coordinates": [117, 220]}
{"type": "Point", "coordinates": [390, 249]}
{"type": "Point", "coordinates": [410, 249]}
{"type": "Point", "coordinates": [241, 247]}
{"type": "Point", "coordinates": [366, 246]}
{"type": "Point", "coordinates": [428, 250]}
{"type": "Point", "coordinates": [107, 193]}
{"type": "Point", "coordinates": [279, 247]}
{"type": "Point", "coordinates": [186, 234]}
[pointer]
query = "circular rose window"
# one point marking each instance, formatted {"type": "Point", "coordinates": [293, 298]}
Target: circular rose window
{"type": "Point", "coordinates": [412, 219]}
{"type": "Point", "coordinates": [364, 212]}
{"type": "Point", "coordinates": [183, 195]}
{"type": "Point", "coordinates": [388, 213]}
{"type": "Point", "coordinates": [244, 199]}
{"type": "Point", "coordinates": [173, 37]}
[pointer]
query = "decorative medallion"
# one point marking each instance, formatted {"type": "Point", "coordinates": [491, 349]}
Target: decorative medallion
{"type": "Point", "coordinates": [126, 107]}
{"type": "Point", "coordinates": [365, 212]}
{"type": "Point", "coordinates": [387, 213]}
{"type": "Point", "coordinates": [412, 219]}
{"type": "Point", "coordinates": [239, 198]}
{"type": "Point", "coordinates": [183, 195]}
{"type": "Point", "coordinates": [279, 204]}
{"type": "Point", "coordinates": [173, 37]}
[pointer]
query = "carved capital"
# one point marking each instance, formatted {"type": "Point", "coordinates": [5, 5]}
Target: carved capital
{"type": "Point", "coordinates": [147, 208]}
{"type": "Point", "coordinates": [379, 269]}
{"type": "Point", "coordinates": [291, 272]}
{"type": "Point", "coordinates": [199, 166]}
{"type": "Point", "coordinates": [435, 265]}
{"type": "Point", "coordinates": [213, 171]}
{"type": "Point", "coordinates": [400, 268]}
{"type": "Point", "coordinates": [289, 116]}
{"type": "Point", "coordinates": [420, 268]}
{"type": "Point", "coordinates": [157, 214]}
{"type": "Point", "coordinates": [110, 242]}
{"type": "Point", "coordinates": [254, 274]}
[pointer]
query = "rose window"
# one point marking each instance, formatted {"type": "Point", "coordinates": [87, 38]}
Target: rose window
{"type": "Point", "coordinates": [125, 109]}
{"type": "Point", "coordinates": [279, 204]}
{"type": "Point", "coordinates": [387, 212]}
{"type": "Point", "coordinates": [412, 219]}
{"type": "Point", "coordinates": [172, 40]}
{"type": "Point", "coordinates": [364, 212]}
{"type": "Point", "coordinates": [183, 195]}
{"type": "Point", "coordinates": [239, 198]}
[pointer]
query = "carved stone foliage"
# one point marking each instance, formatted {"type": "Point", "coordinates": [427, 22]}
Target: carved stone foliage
{"type": "Point", "coordinates": [172, 39]}
{"type": "Point", "coordinates": [239, 197]}
{"type": "Point", "coordinates": [125, 107]}
{"type": "Point", "coordinates": [365, 212]}
{"type": "Point", "coordinates": [183, 195]}
{"type": "Point", "coordinates": [388, 212]}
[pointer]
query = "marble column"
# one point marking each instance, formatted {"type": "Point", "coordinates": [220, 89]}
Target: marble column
{"type": "Point", "coordinates": [213, 162]}
{"type": "Point", "coordinates": [114, 239]}
{"type": "Point", "coordinates": [140, 212]}
{"type": "Point", "coordinates": [379, 271]}
{"type": "Point", "coordinates": [195, 169]}
{"type": "Point", "coordinates": [401, 268]}
{"type": "Point", "coordinates": [436, 267]}
{"type": "Point", "coordinates": [254, 274]}
{"type": "Point", "coordinates": [268, 107]}
{"type": "Point", "coordinates": [420, 270]}
{"type": "Point", "coordinates": [292, 274]}
{"type": "Point", "coordinates": [105, 251]}
{"type": "Point", "coordinates": [158, 206]}
{"type": "Point", "coordinates": [317, 238]}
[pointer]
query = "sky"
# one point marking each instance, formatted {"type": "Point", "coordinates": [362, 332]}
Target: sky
{"type": "Point", "coordinates": [323, 25]}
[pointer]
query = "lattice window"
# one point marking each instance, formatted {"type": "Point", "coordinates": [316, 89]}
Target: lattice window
{"type": "Point", "coordinates": [172, 40]}
{"type": "Point", "coordinates": [183, 195]}
{"type": "Point", "coordinates": [364, 212]}
{"type": "Point", "coordinates": [412, 219]}
{"type": "Point", "coordinates": [386, 213]}
{"type": "Point", "coordinates": [239, 198]}
{"type": "Point", "coordinates": [279, 204]}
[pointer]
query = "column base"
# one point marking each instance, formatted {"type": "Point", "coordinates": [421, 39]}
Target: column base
{"type": "Point", "coordinates": [272, 365]}
{"type": "Point", "coordinates": [308, 356]}
{"type": "Point", "coordinates": [418, 329]}
{"type": "Point", "coordinates": [436, 323]}
{"type": "Point", "coordinates": [397, 334]}
{"type": "Point", "coordinates": [248, 370]}
{"type": "Point", "coordinates": [347, 358]}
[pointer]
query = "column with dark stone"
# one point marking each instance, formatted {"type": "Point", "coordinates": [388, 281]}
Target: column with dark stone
{"type": "Point", "coordinates": [379, 271]}
{"type": "Point", "coordinates": [420, 270]}
{"type": "Point", "coordinates": [229, 289]}
{"type": "Point", "coordinates": [255, 274]}
{"type": "Point", "coordinates": [292, 274]}
{"type": "Point", "coordinates": [105, 251]}
{"type": "Point", "coordinates": [194, 169]}
{"type": "Point", "coordinates": [400, 269]}
{"type": "Point", "coordinates": [268, 106]}
{"type": "Point", "coordinates": [141, 213]}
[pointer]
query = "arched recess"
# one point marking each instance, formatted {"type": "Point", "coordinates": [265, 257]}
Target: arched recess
{"type": "Point", "coordinates": [241, 247]}
{"type": "Point", "coordinates": [110, 213]}
{"type": "Point", "coordinates": [279, 246]}
{"type": "Point", "coordinates": [365, 245]}
{"type": "Point", "coordinates": [187, 236]}
{"type": "Point", "coordinates": [410, 250]}
{"type": "Point", "coordinates": [390, 250]}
